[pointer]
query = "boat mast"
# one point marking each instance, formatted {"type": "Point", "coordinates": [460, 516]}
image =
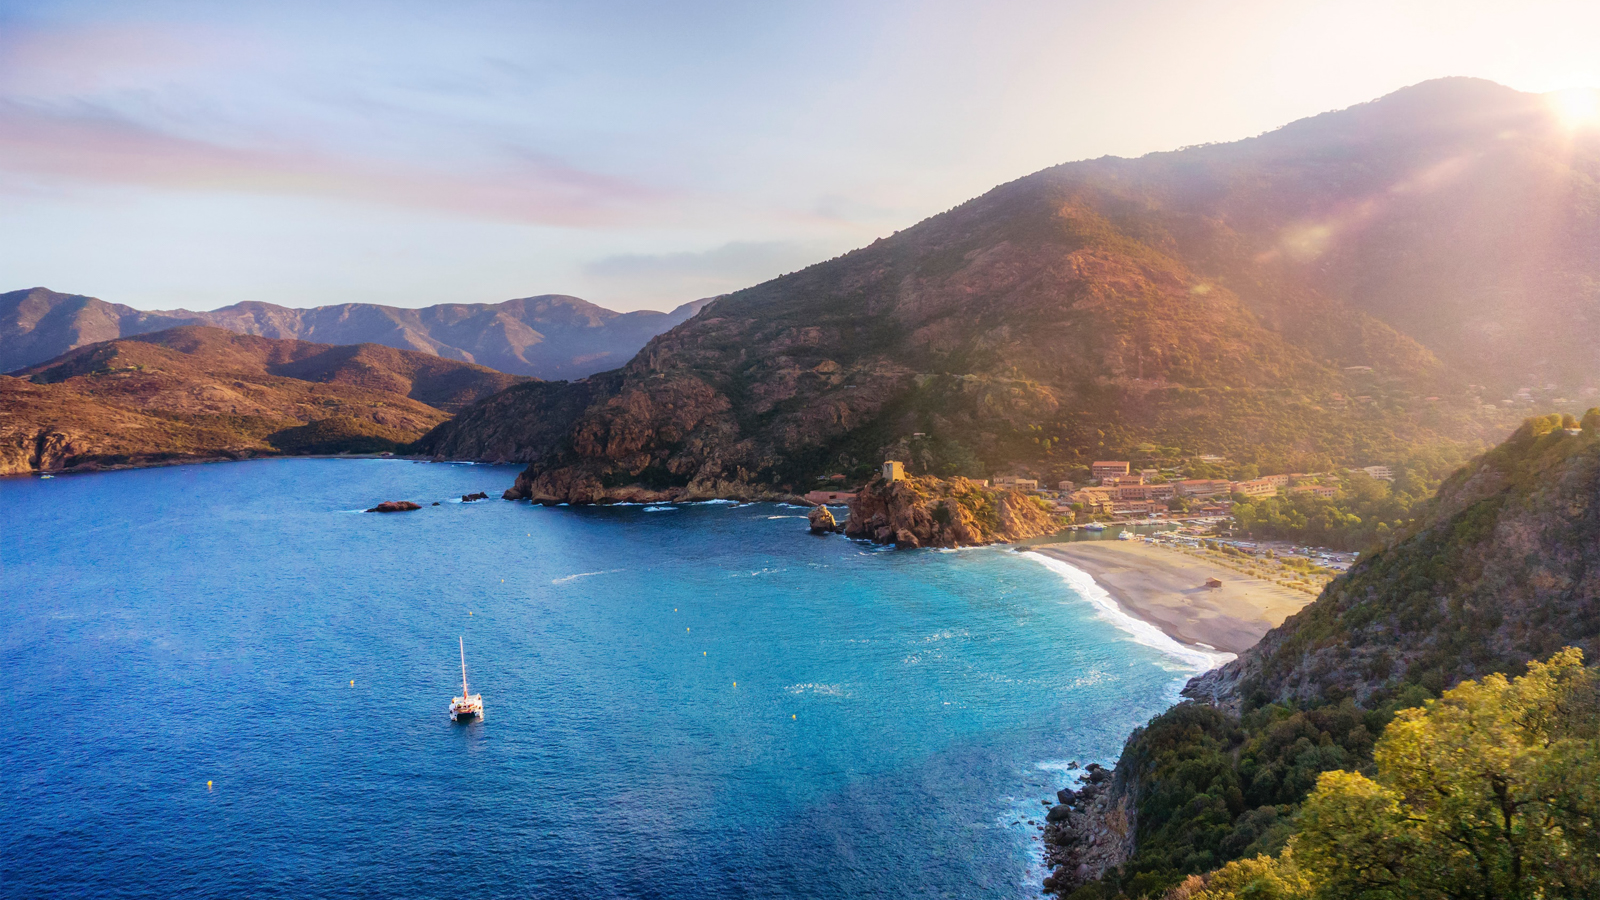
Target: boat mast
{"type": "Point", "coordinates": [463, 642]}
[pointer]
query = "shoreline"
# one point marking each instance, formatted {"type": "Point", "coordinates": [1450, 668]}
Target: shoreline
{"type": "Point", "coordinates": [1166, 589]}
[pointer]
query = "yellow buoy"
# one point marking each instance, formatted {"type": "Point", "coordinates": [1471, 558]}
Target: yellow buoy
{"type": "Point", "coordinates": [352, 682]}
{"type": "Point", "coordinates": [702, 653]}
{"type": "Point", "coordinates": [685, 629]}
{"type": "Point", "coordinates": [469, 612]}
{"type": "Point", "coordinates": [791, 717]}
{"type": "Point", "coordinates": [736, 684]}
{"type": "Point", "coordinates": [208, 785]}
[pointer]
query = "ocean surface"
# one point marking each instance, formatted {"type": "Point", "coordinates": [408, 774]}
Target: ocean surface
{"type": "Point", "coordinates": [227, 681]}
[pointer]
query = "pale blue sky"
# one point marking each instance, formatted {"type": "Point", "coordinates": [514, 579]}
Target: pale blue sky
{"type": "Point", "coordinates": [635, 154]}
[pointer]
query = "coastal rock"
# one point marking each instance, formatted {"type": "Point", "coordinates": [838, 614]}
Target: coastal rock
{"type": "Point", "coordinates": [388, 506]}
{"type": "Point", "coordinates": [934, 512]}
{"type": "Point", "coordinates": [469, 498]}
{"type": "Point", "coordinates": [822, 521]}
{"type": "Point", "coordinates": [1090, 832]}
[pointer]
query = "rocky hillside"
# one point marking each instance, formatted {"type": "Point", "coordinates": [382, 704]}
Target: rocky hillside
{"type": "Point", "coordinates": [1311, 297]}
{"type": "Point", "coordinates": [933, 512]}
{"type": "Point", "coordinates": [549, 336]}
{"type": "Point", "coordinates": [203, 393]}
{"type": "Point", "coordinates": [1503, 568]}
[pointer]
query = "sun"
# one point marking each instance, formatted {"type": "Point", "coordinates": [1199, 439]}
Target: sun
{"type": "Point", "coordinates": [1576, 107]}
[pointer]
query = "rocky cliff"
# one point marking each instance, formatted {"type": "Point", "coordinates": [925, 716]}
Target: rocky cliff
{"type": "Point", "coordinates": [934, 512]}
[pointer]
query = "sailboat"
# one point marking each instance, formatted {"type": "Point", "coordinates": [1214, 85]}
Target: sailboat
{"type": "Point", "coordinates": [467, 704]}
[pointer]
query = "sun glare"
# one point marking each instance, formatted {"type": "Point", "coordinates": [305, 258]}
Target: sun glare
{"type": "Point", "coordinates": [1578, 107]}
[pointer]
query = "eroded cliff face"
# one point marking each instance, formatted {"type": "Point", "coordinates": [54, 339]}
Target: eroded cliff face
{"type": "Point", "coordinates": [933, 512]}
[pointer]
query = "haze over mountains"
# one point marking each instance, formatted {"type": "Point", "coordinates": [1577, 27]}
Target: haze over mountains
{"type": "Point", "coordinates": [548, 336]}
{"type": "Point", "coordinates": [1340, 290]}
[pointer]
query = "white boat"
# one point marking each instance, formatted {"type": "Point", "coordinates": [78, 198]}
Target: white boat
{"type": "Point", "coordinates": [1124, 535]}
{"type": "Point", "coordinates": [467, 704]}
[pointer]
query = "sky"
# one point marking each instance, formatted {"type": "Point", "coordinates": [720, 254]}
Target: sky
{"type": "Point", "coordinates": [638, 155]}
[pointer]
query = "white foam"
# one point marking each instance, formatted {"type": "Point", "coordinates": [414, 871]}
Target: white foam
{"type": "Point", "coordinates": [711, 502]}
{"type": "Point", "coordinates": [659, 508]}
{"type": "Point", "coordinates": [1142, 632]}
{"type": "Point", "coordinates": [826, 690]}
{"type": "Point", "coordinates": [565, 579]}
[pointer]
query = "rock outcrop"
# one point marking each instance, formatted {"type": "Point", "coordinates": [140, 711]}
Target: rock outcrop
{"type": "Point", "coordinates": [933, 512]}
{"type": "Point", "coordinates": [472, 498]}
{"type": "Point", "coordinates": [822, 521]}
{"type": "Point", "coordinates": [389, 506]}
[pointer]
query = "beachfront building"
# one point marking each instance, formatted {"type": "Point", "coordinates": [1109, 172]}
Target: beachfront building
{"type": "Point", "coordinates": [1203, 488]}
{"type": "Point", "coordinates": [820, 498]}
{"type": "Point", "coordinates": [1259, 487]}
{"type": "Point", "coordinates": [1104, 470]}
{"type": "Point", "coordinates": [893, 470]}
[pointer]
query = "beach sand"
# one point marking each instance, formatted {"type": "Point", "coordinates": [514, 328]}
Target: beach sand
{"type": "Point", "coordinates": [1167, 589]}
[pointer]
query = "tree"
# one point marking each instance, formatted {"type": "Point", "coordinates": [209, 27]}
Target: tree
{"type": "Point", "coordinates": [1491, 791]}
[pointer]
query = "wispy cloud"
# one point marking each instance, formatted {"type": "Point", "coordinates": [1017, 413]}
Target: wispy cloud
{"type": "Point", "coordinates": [86, 144]}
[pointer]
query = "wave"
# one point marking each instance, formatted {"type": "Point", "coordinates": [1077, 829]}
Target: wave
{"type": "Point", "coordinates": [659, 508]}
{"type": "Point", "coordinates": [1142, 632]}
{"type": "Point", "coordinates": [566, 578]}
{"type": "Point", "coordinates": [826, 690]}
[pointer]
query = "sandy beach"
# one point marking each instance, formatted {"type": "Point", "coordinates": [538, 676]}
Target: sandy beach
{"type": "Point", "coordinates": [1167, 589]}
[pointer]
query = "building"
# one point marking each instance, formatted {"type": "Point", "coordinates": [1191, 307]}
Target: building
{"type": "Point", "coordinates": [1321, 490]}
{"type": "Point", "coordinates": [1149, 475]}
{"type": "Point", "coordinates": [823, 498]}
{"type": "Point", "coordinates": [1259, 487]}
{"type": "Point", "coordinates": [1065, 487]}
{"type": "Point", "coordinates": [893, 470]}
{"type": "Point", "coordinates": [1109, 469]}
{"type": "Point", "coordinates": [1276, 481]}
{"type": "Point", "coordinates": [1201, 488]}
{"type": "Point", "coordinates": [1382, 473]}
{"type": "Point", "coordinates": [1144, 491]}
{"type": "Point", "coordinates": [1115, 480]}
{"type": "Point", "coordinates": [1213, 583]}
{"type": "Point", "coordinates": [1094, 500]}
{"type": "Point", "coordinates": [1016, 483]}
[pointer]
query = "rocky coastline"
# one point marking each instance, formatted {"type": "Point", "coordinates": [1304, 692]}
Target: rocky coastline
{"type": "Point", "coordinates": [1089, 832]}
{"type": "Point", "coordinates": [915, 512]}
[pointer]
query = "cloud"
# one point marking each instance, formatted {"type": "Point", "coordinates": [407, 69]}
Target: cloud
{"type": "Point", "coordinates": [89, 145]}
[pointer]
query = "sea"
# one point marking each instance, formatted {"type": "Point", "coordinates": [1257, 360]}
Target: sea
{"type": "Point", "coordinates": [228, 681]}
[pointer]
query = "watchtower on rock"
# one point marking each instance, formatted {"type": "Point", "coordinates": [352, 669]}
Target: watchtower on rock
{"type": "Point", "coordinates": [893, 470]}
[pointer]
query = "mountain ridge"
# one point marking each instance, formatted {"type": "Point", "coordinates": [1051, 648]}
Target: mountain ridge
{"type": "Point", "coordinates": [196, 393]}
{"type": "Point", "coordinates": [546, 336]}
{"type": "Point", "coordinates": [1210, 299]}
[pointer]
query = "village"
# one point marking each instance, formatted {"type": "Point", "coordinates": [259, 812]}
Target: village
{"type": "Point", "coordinates": [1189, 515]}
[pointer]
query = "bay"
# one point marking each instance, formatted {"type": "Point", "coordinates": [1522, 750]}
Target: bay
{"type": "Point", "coordinates": [688, 701]}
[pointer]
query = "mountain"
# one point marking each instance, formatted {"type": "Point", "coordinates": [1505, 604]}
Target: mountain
{"type": "Point", "coordinates": [550, 336]}
{"type": "Point", "coordinates": [203, 393]}
{"type": "Point", "coordinates": [1340, 291]}
{"type": "Point", "coordinates": [1502, 569]}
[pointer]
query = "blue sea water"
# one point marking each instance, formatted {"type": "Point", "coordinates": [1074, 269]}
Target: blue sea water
{"type": "Point", "coordinates": [693, 701]}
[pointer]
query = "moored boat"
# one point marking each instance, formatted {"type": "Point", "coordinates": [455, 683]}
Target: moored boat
{"type": "Point", "coordinates": [468, 704]}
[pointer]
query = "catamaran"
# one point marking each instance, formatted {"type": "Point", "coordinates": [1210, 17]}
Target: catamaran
{"type": "Point", "coordinates": [467, 704]}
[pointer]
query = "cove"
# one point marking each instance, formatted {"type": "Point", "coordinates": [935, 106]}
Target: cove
{"type": "Point", "coordinates": [680, 702]}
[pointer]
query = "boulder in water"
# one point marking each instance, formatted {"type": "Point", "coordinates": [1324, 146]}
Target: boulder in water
{"type": "Point", "coordinates": [468, 498]}
{"type": "Point", "coordinates": [395, 506]}
{"type": "Point", "coordinates": [822, 521]}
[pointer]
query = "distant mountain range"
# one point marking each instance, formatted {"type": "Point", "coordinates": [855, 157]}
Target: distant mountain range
{"type": "Point", "coordinates": [1345, 289]}
{"type": "Point", "coordinates": [195, 393]}
{"type": "Point", "coordinates": [550, 336]}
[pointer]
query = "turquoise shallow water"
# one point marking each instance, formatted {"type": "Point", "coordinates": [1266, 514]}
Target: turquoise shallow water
{"type": "Point", "coordinates": [700, 701]}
